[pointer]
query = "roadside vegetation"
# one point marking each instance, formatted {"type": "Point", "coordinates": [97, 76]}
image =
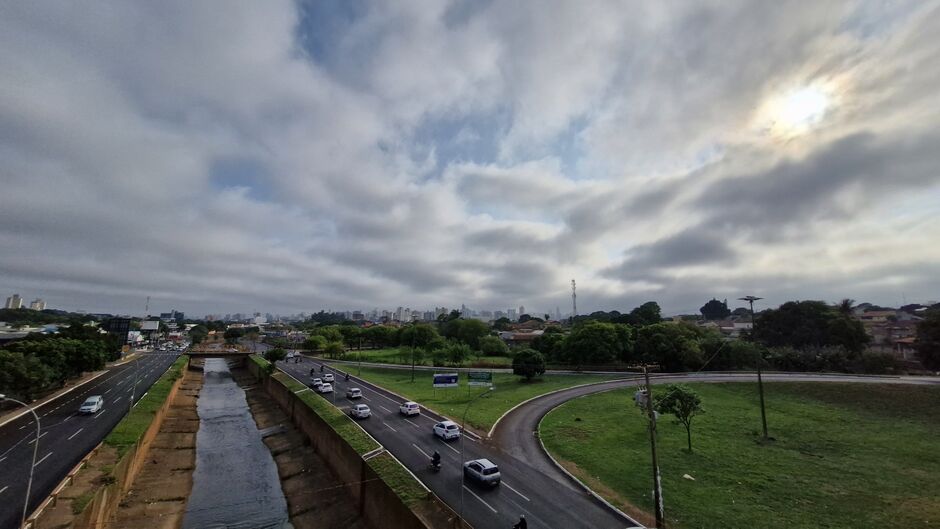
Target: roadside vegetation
{"type": "Point", "coordinates": [509, 391]}
{"type": "Point", "coordinates": [844, 455]}
{"type": "Point", "coordinates": [132, 427]}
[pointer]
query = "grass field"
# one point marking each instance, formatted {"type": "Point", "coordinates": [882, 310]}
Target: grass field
{"type": "Point", "coordinates": [845, 456]}
{"type": "Point", "coordinates": [394, 355]}
{"type": "Point", "coordinates": [453, 402]}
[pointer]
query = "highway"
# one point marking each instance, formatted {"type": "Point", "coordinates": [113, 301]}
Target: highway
{"type": "Point", "coordinates": [67, 437]}
{"type": "Point", "coordinates": [545, 500]}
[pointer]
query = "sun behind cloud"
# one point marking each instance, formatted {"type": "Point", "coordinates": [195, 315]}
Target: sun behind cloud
{"type": "Point", "coordinates": [796, 112]}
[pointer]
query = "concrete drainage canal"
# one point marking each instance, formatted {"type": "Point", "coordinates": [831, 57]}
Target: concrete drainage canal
{"type": "Point", "coordinates": [235, 483]}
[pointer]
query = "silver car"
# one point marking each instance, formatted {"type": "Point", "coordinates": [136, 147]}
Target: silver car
{"type": "Point", "coordinates": [482, 471]}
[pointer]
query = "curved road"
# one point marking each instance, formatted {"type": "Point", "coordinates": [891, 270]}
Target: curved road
{"type": "Point", "coordinates": [516, 433]}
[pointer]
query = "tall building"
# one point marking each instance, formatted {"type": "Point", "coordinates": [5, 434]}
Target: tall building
{"type": "Point", "coordinates": [14, 302]}
{"type": "Point", "coordinates": [512, 314]}
{"type": "Point", "coordinates": [37, 304]}
{"type": "Point", "coordinates": [521, 310]}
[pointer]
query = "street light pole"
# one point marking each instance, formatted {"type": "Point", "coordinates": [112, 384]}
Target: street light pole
{"type": "Point", "coordinates": [136, 376]}
{"type": "Point", "coordinates": [657, 479]}
{"type": "Point", "coordinates": [414, 334]}
{"type": "Point", "coordinates": [760, 360]}
{"type": "Point", "coordinates": [29, 484]}
{"type": "Point", "coordinates": [463, 425]}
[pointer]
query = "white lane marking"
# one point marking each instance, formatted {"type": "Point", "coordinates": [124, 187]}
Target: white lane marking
{"type": "Point", "coordinates": [447, 445]}
{"type": "Point", "coordinates": [516, 491]}
{"type": "Point", "coordinates": [481, 500]}
{"type": "Point", "coordinates": [43, 434]}
{"type": "Point", "coordinates": [384, 408]}
{"type": "Point", "coordinates": [21, 427]}
{"type": "Point", "coordinates": [390, 427]}
{"type": "Point", "coordinates": [367, 398]}
{"type": "Point", "coordinates": [468, 437]}
{"type": "Point", "coordinates": [99, 414]}
{"type": "Point", "coordinates": [69, 417]}
{"type": "Point", "coordinates": [106, 392]}
{"type": "Point", "coordinates": [74, 434]}
{"type": "Point", "coordinates": [4, 488]}
{"type": "Point", "coordinates": [43, 459]}
{"type": "Point", "coordinates": [2, 458]}
{"type": "Point", "coordinates": [413, 423]}
{"type": "Point", "coordinates": [419, 449]}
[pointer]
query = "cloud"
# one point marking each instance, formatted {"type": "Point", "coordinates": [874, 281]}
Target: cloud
{"type": "Point", "coordinates": [234, 157]}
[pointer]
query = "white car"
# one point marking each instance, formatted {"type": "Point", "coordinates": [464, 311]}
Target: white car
{"type": "Point", "coordinates": [92, 404]}
{"type": "Point", "coordinates": [325, 388]}
{"type": "Point", "coordinates": [316, 382]}
{"type": "Point", "coordinates": [447, 430]}
{"type": "Point", "coordinates": [289, 356]}
{"type": "Point", "coordinates": [360, 411]}
{"type": "Point", "coordinates": [409, 408]}
{"type": "Point", "coordinates": [328, 377]}
{"type": "Point", "coordinates": [353, 393]}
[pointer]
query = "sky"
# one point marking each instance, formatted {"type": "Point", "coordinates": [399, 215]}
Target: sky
{"type": "Point", "coordinates": [242, 156]}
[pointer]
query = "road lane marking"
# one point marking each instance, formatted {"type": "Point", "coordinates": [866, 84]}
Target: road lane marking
{"type": "Point", "coordinates": [21, 427]}
{"type": "Point", "coordinates": [390, 427]}
{"type": "Point", "coordinates": [516, 491]}
{"type": "Point", "coordinates": [384, 408]}
{"type": "Point", "coordinates": [80, 431]}
{"type": "Point", "coordinates": [2, 458]}
{"type": "Point", "coordinates": [43, 459]}
{"type": "Point", "coordinates": [4, 488]}
{"type": "Point", "coordinates": [69, 417]}
{"type": "Point", "coordinates": [43, 434]}
{"type": "Point", "coordinates": [99, 414]}
{"type": "Point", "coordinates": [422, 451]}
{"type": "Point", "coordinates": [367, 398]}
{"type": "Point", "coordinates": [481, 500]}
{"type": "Point", "coordinates": [413, 423]}
{"type": "Point", "coordinates": [109, 391]}
{"type": "Point", "coordinates": [447, 445]}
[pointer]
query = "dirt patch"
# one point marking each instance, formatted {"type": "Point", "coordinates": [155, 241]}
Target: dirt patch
{"type": "Point", "coordinates": [609, 494]}
{"type": "Point", "coordinates": [157, 498]}
{"type": "Point", "coordinates": [72, 500]}
{"type": "Point", "coordinates": [315, 498]}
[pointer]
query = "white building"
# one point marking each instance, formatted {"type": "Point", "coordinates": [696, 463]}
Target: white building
{"type": "Point", "coordinates": [37, 304]}
{"type": "Point", "coordinates": [14, 302]}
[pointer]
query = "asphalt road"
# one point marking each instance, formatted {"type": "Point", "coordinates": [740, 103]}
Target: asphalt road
{"type": "Point", "coordinates": [516, 432]}
{"type": "Point", "coordinates": [67, 437]}
{"type": "Point", "coordinates": [546, 501]}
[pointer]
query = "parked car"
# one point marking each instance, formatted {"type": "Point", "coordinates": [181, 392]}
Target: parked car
{"type": "Point", "coordinates": [360, 411]}
{"type": "Point", "coordinates": [353, 393]}
{"type": "Point", "coordinates": [325, 388]}
{"type": "Point", "coordinates": [482, 471]}
{"type": "Point", "coordinates": [409, 408]}
{"type": "Point", "coordinates": [447, 430]}
{"type": "Point", "coordinates": [328, 377]}
{"type": "Point", "coordinates": [315, 382]}
{"type": "Point", "coordinates": [92, 404]}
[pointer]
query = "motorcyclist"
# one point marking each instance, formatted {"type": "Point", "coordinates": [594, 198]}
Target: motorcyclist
{"type": "Point", "coordinates": [313, 370]}
{"type": "Point", "coordinates": [321, 368]}
{"type": "Point", "coordinates": [347, 377]}
{"type": "Point", "coordinates": [522, 524]}
{"type": "Point", "coordinates": [436, 459]}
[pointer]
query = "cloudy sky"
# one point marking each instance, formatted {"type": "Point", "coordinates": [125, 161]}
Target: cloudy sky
{"type": "Point", "coordinates": [279, 156]}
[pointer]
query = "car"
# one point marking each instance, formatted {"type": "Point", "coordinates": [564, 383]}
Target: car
{"type": "Point", "coordinates": [482, 471]}
{"type": "Point", "coordinates": [315, 382]}
{"type": "Point", "coordinates": [326, 387]}
{"type": "Point", "coordinates": [360, 411]}
{"type": "Point", "coordinates": [328, 377]}
{"type": "Point", "coordinates": [289, 356]}
{"type": "Point", "coordinates": [409, 408]}
{"type": "Point", "coordinates": [447, 430]}
{"type": "Point", "coordinates": [353, 393]}
{"type": "Point", "coordinates": [92, 404]}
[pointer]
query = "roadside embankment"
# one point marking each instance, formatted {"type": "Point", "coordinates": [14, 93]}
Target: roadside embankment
{"type": "Point", "coordinates": [385, 494]}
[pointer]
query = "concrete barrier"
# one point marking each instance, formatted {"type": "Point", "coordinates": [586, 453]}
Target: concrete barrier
{"type": "Point", "coordinates": [379, 504]}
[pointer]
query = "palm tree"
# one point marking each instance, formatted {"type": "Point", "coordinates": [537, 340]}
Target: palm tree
{"type": "Point", "coordinates": [845, 306]}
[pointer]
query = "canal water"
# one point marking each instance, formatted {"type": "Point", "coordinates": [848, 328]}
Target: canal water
{"type": "Point", "coordinates": [235, 483]}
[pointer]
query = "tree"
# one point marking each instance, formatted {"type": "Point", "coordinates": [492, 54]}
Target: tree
{"type": "Point", "coordinates": [674, 346]}
{"type": "Point", "coordinates": [802, 324]}
{"type": "Point", "coordinates": [593, 342]}
{"type": "Point", "coordinates": [381, 335]}
{"type": "Point", "coordinates": [715, 310]}
{"type": "Point", "coordinates": [315, 343]}
{"type": "Point", "coordinates": [275, 354]}
{"type": "Point", "coordinates": [646, 314]}
{"type": "Point", "coordinates": [928, 340]}
{"type": "Point", "coordinates": [351, 335]}
{"type": "Point", "coordinates": [846, 306]}
{"type": "Point", "coordinates": [457, 352]}
{"type": "Point", "coordinates": [493, 346]}
{"type": "Point", "coordinates": [232, 335]}
{"type": "Point", "coordinates": [501, 324]}
{"type": "Point", "coordinates": [467, 331]}
{"type": "Point", "coordinates": [331, 333]}
{"type": "Point", "coordinates": [681, 401]}
{"type": "Point", "coordinates": [419, 334]}
{"type": "Point", "coordinates": [551, 345]}
{"type": "Point", "coordinates": [528, 363]}
{"type": "Point", "coordinates": [334, 349]}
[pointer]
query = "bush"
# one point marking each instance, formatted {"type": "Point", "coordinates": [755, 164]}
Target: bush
{"type": "Point", "coordinates": [528, 363]}
{"type": "Point", "coordinates": [275, 355]}
{"type": "Point", "coordinates": [493, 346]}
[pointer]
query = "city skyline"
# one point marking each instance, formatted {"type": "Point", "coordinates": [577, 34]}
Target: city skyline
{"type": "Point", "coordinates": [358, 155]}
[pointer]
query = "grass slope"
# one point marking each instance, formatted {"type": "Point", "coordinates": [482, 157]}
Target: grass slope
{"type": "Point", "coordinates": [394, 355]}
{"type": "Point", "coordinates": [453, 402]}
{"type": "Point", "coordinates": [845, 455]}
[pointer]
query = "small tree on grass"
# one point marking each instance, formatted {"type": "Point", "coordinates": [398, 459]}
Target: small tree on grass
{"type": "Point", "coordinates": [274, 355]}
{"type": "Point", "coordinates": [528, 363]}
{"type": "Point", "coordinates": [683, 402]}
{"type": "Point", "coordinates": [334, 350]}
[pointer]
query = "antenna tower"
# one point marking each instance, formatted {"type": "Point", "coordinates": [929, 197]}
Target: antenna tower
{"type": "Point", "coordinates": [147, 307]}
{"type": "Point", "coordinates": [574, 299]}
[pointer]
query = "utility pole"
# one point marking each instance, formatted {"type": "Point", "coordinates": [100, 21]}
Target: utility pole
{"type": "Point", "coordinates": [760, 360]}
{"type": "Point", "coordinates": [574, 300]}
{"type": "Point", "coordinates": [414, 334]}
{"type": "Point", "coordinates": [657, 482]}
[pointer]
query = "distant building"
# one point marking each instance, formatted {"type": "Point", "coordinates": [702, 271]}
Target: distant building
{"type": "Point", "coordinates": [173, 315]}
{"type": "Point", "coordinates": [14, 302]}
{"type": "Point", "coordinates": [118, 327]}
{"type": "Point", "coordinates": [37, 304]}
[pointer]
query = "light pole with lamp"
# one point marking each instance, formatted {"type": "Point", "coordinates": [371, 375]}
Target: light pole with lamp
{"type": "Point", "coordinates": [463, 425]}
{"type": "Point", "coordinates": [29, 484]}
{"type": "Point", "coordinates": [136, 377]}
{"type": "Point", "coordinates": [760, 360]}
{"type": "Point", "coordinates": [414, 334]}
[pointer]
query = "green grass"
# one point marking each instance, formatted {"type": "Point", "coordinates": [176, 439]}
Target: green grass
{"type": "Point", "coordinates": [339, 421]}
{"type": "Point", "coordinates": [394, 355]}
{"type": "Point", "coordinates": [395, 475]}
{"type": "Point", "coordinates": [510, 390]}
{"type": "Point", "coordinates": [133, 426]}
{"type": "Point", "coordinates": [258, 359]}
{"type": "Point", "coordinates": [845, 455]}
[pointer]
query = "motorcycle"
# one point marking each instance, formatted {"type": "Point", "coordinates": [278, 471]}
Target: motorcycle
{"type": "Point", "coordinates": [434, 467]}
